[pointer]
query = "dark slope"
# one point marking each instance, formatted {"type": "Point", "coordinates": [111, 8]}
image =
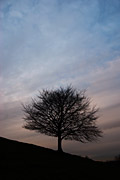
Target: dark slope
{"type": "Point", "coordinates": [25, 161]}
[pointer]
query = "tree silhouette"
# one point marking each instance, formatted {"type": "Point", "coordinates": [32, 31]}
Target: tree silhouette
{"type": "Point", "coordinates": [64, 113]}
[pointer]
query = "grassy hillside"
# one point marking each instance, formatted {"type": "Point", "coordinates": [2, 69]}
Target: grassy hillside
{"type": "Point", "coordinates": [25, 161]}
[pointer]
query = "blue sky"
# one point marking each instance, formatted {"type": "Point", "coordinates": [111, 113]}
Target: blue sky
{"type": "Point", "coordinates": [52, 43]}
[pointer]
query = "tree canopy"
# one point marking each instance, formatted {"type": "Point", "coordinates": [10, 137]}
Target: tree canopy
{"type": "Point", "coordinates": [64, 113]}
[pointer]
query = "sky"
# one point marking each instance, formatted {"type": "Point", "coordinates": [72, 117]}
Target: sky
{"type": "Point", "coordinates": [53, 43]}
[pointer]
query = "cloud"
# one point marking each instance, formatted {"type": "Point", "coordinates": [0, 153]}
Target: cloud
{"type": "Point", "coordinates": [113, 125]}
{"type": "Point", "coordinates": [105, 85]}
{"type": "Point", "coordinates": [109, 119]}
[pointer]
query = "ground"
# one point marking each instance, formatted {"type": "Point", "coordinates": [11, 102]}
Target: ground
{"type": "Point", "coordinates": [22, 161]}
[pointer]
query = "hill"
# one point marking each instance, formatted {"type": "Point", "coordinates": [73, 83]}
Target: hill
{"type": "Point", "coordinates": [29, 162]}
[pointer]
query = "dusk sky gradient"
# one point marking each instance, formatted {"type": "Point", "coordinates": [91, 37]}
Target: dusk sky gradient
{"type": "Point", "coordinates": [53, 43]}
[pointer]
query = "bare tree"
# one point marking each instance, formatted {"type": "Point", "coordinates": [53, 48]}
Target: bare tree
{"type": "Point", "coordinates": [64, 113]}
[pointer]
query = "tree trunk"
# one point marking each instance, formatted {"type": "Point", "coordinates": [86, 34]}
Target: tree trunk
{"type": "Point", "coordinates": [59, 144]}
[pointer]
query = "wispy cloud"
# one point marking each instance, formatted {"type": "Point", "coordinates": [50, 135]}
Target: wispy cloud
{"type": "Point", "coordinates": [105, 84]}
